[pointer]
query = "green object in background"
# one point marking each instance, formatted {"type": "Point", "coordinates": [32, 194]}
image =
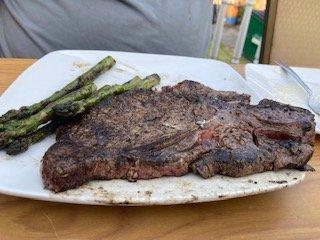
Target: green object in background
{"type": "Point", "coordinates": [255, 29]}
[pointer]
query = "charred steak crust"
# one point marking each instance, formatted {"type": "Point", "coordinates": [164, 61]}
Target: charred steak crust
{"type": "Point", "coordinates": [189, 127]}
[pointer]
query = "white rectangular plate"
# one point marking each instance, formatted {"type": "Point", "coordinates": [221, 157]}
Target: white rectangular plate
{"type": "Point", "coordinates": [269, 81]}
{"type": "Point", "coordinates": [20, 175]}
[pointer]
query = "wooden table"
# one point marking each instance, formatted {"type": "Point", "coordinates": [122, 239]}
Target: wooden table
{"type": "Point", "coordinates": [292, 213]}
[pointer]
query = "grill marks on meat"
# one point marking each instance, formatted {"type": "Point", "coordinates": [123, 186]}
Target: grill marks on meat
{"type": "Point", "coordinates": [143, 134]}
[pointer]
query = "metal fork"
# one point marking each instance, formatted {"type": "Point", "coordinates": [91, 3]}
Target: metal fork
{"type": "Point", "coordinates": [313, 101]}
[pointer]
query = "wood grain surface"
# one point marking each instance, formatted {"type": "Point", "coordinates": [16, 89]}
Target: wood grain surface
{"type": "Point", "coordinates": [292, 213]}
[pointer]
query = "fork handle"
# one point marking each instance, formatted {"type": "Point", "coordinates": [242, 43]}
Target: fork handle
{"type": "Point", "coordinates": [293, 74]}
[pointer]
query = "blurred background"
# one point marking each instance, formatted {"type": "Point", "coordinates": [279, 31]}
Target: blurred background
{"type": "Point", "coordinates": [232, 18]}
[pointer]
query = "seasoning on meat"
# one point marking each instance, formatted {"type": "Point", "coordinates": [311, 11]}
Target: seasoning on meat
{"type": "Point", "coordinates": [189, 127]}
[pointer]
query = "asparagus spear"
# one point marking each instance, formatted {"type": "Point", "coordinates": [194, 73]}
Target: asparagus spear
{"type": "Point", "coordinates": [15, 129]}
{"type": "Point", "coordinates": [150, 81]}
{"type": "Point", "coordinates": [84, 92]}
{"type": "Point", "coordinates": [22, 144]}
{"type": "Point", "coordinates": [74, 108]}
{"type": "Point", "coordinates": [82, 80]}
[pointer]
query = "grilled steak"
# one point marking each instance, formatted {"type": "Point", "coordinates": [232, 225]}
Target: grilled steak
{"type": "Point", "coordinates": [143, 134]}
